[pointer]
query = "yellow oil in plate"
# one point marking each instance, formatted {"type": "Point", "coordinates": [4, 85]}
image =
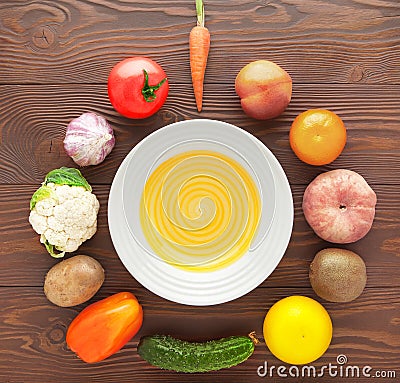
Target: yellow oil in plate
{"type": "Point", "coordinates": [200, 210]}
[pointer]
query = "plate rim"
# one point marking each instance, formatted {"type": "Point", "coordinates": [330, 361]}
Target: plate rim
{"type": "Point", "coordinates": [193, 300]}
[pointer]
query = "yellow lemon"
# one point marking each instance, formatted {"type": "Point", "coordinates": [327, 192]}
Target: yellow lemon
{"type": "Point", "coordinates": [297, 330]}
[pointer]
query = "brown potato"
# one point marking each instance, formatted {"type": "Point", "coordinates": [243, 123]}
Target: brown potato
{"type": "Point", "coordinates": [73, 281]}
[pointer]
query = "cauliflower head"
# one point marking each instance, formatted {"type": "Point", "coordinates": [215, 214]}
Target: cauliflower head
{"type": "Point", "coordinates": [64, 211]}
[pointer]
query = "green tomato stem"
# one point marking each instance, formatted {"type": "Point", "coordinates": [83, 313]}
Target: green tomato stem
{"type": "Point", "coordinates": [148, 91]}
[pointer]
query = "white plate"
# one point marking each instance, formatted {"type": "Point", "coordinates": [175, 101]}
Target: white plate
{"type": "Point", "coordinates": [216, 287]}
{"type": "Point", "coordinates": [183, 137]}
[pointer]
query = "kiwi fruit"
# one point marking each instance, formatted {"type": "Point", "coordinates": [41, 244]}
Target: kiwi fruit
{"type": "Point", "coordinates": [338, 275]}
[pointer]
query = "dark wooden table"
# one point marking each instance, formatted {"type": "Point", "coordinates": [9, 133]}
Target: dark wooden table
{"type": "Point", "coordinates": [343, 55]}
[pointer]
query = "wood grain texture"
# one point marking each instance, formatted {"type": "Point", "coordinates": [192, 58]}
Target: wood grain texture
{"type": "Point", "coordinates": [33, 120]}
{"type": "Point", "coordinates": [317, 41]}
{"type": "Point", "coordinates": [21, 247]}
{"type": "Point", "coordinates": [33, 336]}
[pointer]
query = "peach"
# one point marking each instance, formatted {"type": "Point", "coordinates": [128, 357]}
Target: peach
{"type": "Point", "coordinates": [265, 89]}
{"type": "Point", "coordinates": [339, 205]}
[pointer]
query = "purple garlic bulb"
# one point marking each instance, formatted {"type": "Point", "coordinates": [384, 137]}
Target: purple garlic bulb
{"type": "Point", "coordinates": [89, 139]}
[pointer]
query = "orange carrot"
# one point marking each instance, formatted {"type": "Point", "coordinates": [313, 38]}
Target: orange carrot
{"type": "Point", "coordinates": [199, 46]}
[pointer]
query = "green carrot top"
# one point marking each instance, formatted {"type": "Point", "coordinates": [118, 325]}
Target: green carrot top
{"type": "Point", "coordinates": [200, 13]}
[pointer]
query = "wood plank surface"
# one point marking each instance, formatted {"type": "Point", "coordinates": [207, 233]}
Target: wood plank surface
{"type": "Point", "coordinates": [33, 120]}
{"type": "Point", "coordinates": [317, 41]}
{"type": "Point", "coordinates": [342, 55]}
{"type": "Point", "coordinates": [35, 330]}
{"type": "Point", "coordinates": [21, 246]}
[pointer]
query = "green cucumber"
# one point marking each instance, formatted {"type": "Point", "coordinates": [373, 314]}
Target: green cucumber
{"type": "Point", "coordinates": [170, 353]}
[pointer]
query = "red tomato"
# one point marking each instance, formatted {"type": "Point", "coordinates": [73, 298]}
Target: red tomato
{"type": "Point", "coordinates": [137, 87]}
{"type": "Point", "coordinates": [104, 327]}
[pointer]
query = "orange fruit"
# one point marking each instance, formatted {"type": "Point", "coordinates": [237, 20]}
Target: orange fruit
{"type": "Point", "coordinates": [297, 329]}
{"type": "Point", "coordinates": [317, 136]}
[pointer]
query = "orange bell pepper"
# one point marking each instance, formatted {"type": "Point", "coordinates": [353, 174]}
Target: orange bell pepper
{"type": "Point", "coordinates": [104, 327]}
